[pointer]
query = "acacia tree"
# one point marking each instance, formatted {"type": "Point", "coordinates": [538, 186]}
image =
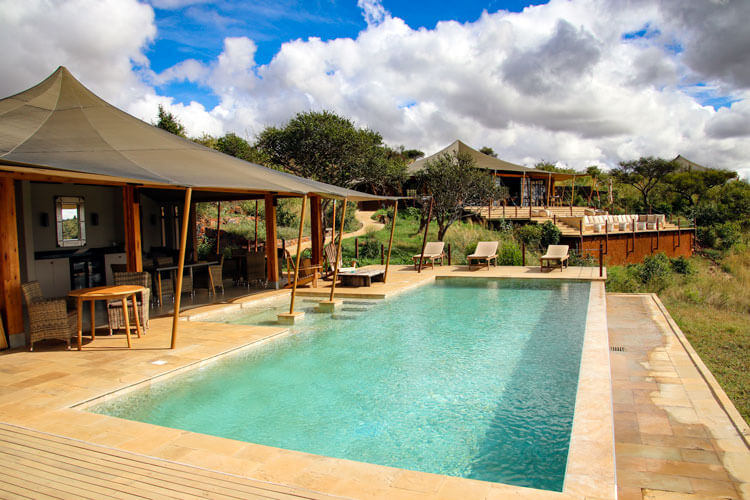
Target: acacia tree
{"type": "Point", "coordinates": [454, 182]}
{"type": "Point", "coordinates": [644, 174]}
{"type": "Point", "coordinates": [329, 148]}
{"type": "Point", "coordinates": [691, 186]}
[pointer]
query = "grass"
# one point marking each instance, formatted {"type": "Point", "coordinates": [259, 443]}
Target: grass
{"type": "Point", "coordinates": [712, 307]}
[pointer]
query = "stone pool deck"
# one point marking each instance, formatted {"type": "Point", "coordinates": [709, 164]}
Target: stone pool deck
{"type": "Point", "coordinates": [51, 447]}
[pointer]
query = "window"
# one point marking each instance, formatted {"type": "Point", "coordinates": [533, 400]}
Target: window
{"type": "Point", "coordinates": [71, 221]}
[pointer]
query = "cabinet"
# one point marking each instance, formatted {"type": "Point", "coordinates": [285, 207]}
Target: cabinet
{"type": "Point", "coordinates": [113, 258]}
{"type": "Point", "coordinates": [53, 276]}
{"type": "Point", "coordinates": [86, 271]}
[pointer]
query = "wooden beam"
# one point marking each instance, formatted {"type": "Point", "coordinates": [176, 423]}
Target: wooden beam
{"type": "Point", "coordinates": [333, 224]}
{"type": "Point", "coordinates": [549, 185]}
{"type": "Point", "coordinates": [256, 225]}
{"type": "Point", "coordinates": [272, 257]}
{"type": "Point", "coordinates": [131, 211]}
{"type": "Point", "coordinates": [218, 228]}
{"type": "Point", "coordinates": [338, 250]}
{"type": "Point", "coordinates": [299, 253]}
{"type": "Point", "coordinates": [390, 240]}
{"type": "Point", "coordinates": [316, 236]}
{"type": "Point", "coordinates": [180, 267]}
{"type": "Point", "coordinates": [10, 265]}
{"type": "Point", "coordinates": [193, 231]}
{"type": "Point", "coordinates": [424, 239]}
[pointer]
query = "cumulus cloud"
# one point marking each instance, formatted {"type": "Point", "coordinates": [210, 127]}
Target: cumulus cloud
{"type": "Point", "coordinates": [579, 82]}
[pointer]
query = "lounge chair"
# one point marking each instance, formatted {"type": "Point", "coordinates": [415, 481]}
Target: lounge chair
{"type": "Point", "coordinates": [485, 251]}
{"type": "Point", "coordinates": [48, 318]}
{"type": "Point", "coordinates": [432, 251]}
{"type": "Point", "coordinates": [308, 273]}
{"type": "Point", "coordinates": [556, 254]}
{"type": "Point", "coordinates": [329, 252]}
{"type": "Point", "coordinates": [216, 277]}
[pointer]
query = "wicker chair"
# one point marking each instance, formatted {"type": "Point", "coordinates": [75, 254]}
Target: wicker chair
{"type": "Point", "coordinates": [48, 318]}
{"type": "Point", "coordinates": [114, 308]}
{"type": "Point", "coordinates": [216, 276]}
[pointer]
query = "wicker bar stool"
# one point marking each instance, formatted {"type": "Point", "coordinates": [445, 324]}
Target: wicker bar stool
{"type": "Point", "coordinates": [114, 308]}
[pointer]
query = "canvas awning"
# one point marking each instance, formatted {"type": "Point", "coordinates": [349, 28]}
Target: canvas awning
{"type": "Point", "coordinates": [60, 125]}
{"type": "Point", "coordinates": [484, 162]}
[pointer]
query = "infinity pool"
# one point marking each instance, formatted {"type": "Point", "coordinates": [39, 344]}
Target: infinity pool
{"type": "Point", "coordinates": [466, 377]}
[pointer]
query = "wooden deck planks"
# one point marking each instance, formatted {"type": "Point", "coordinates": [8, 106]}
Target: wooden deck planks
{"type": "Point", "coordinates": [39, 465]}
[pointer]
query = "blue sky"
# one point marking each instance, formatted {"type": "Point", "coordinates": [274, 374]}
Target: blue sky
{"type": "Point", "coordinates": [197, 31]}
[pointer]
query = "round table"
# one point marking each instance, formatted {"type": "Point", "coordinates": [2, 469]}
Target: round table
{"type": "Point", "coordinates": [121, 292]}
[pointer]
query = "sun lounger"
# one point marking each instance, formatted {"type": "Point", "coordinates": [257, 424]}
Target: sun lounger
{"type": "Point", "coordinates": [485, 251]}
{"type": "Point", "coordinates": [329, 251]}
{"type": "Point", "coordinates": [432, 251]}
{"type": "Point", "coordinates": [557, 255]}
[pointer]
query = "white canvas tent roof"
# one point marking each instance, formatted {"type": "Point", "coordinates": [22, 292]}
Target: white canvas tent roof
{"type": "Point", "coordinates": [60, 125]}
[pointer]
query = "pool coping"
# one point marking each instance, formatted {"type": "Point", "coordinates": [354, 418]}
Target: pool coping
{"type": "Point", "coordinates": [590, 470]}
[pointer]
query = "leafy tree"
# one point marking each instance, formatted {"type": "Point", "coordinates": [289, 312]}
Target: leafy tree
{"type": "Point", "coordinates": [454, 182]}
{"type": "Point", "coordinates": [692, 186]}
{"type": "Point", "coordinates": [488, 151]}
{"type": "Point", "coordinates": [644, 174]}
{"type": "Point", "coordinates": [236, 146]}
{"type": "Point", "coordinates": [329, 148]}
{"type": "Point", "coordinates": [168, 121]}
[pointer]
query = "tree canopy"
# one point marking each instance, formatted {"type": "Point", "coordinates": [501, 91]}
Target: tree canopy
{"type": "Point", "coordinates": [167, 121]}
{"type": "Point", "coordinates": [454, 182]}
{"type": "Point", "coordinates": [644, 174]}
{"type": "Point", "coordinates": [329, 148]}
{"type": "Point", "coordinates": [488, 151]}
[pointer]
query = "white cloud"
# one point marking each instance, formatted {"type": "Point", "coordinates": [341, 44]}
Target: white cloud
{"type": "Point", "coordinates": [557, 82]}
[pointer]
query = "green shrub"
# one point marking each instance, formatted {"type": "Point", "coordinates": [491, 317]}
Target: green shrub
{"type": "Point", "coordinates": [550, 234]}
{"type": "Point", "coordinates": [410, 213]}
{"type": "Point", "coordinates": [575, 259]}
{"type": "Point", "coordinates": [655, 271]}
{"type": "Point", "coordinates": [530, 234]}
{"type": "Point", "coordinates": [369, 248]}
{"type": "Point", "coordinates": [510, 254]}
{"type": "Point", "coordinates": [681, 265]}
{"type": "Point", "coordinates": [622, 279]}
{"type": "Point", "coordinates": [707, 236]}
{"type": "Point", "coordinates": [729, 233]}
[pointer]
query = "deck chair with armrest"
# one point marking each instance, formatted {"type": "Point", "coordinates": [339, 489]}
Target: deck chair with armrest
{"type": "Point", "coordinates": [308, 273]}
{"type": "Point", "coordinates": [433, 251]}
{"type": "Point", "coordinates": [329, 252]}
{"type": "Point", "coordinates": [556, 256]}
{"type": "Point", "coordinates": [486, 251]}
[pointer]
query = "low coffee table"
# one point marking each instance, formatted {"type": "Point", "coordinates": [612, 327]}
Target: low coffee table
{"type": "Point", "coordinates": [361, 278]}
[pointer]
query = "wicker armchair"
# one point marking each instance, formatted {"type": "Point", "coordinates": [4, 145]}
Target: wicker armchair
{"type": "Point", "coordinates": [48, 318]}
{"type": "Point", "coordinates": [216, 276]}
{"type": "Point", "coordinates": [114, 308]}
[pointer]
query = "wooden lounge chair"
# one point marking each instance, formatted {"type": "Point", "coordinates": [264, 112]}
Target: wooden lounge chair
{"type": "Point", "coordinates": [432, 251]}
{"type": "Point", "coordinates": [557, 255]}
{"type": "Point", "coordinates": [486, 251]}
{"type": "Point", "coordinates": [216, 277]}
{"type": "Point", "coordinates": [329, 252]}
{"type": "Point", "coordinates": [308, 273]}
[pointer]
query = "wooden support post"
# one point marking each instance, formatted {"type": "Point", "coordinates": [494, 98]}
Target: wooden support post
{"type": "Point", "coordinates": [218, 228]}
{"type": "Point", "coordinates": [523, 253]}
{"type": "Point", "coordinates": [424, 239]}
{"type": "Point", "coordinates": [505, 202]}
{"type": "Point", "coordinates": [382, 254]}
{"type": "Point", "coordinates": [272, 257]}
{"type": "Point", "coordinates": [549, 186]}
{"type": "Point", "coordinates": [256, 225]}
{"type": "Point", "coordinates": [299, 254]}
{"type": "Point", "coordinates": [316, 233]}
{"type": "Point", "coordinates": [390, 240]}
{"type": "Point", "coordinates": [679, 235]}
{"type": "Point", "coordinates": [572, 195]}
{"type": "Point", "coordinates": [10, 264]}
{"type": "Point", "coordinates": [606, 234]}
{"type": "Point", "coordinates": [180, 267]}
{"type": "Point", "coordinates": [450, 260]}
{"type": "Point", "coordinates": [333, 223]}
{"type": "Point", "coordinates": [489, 211]}
{"type": "Point", "coordinates": [194, 231]}
{"type": "Point", "coordinates": [523, 188]}
{"type": "Point", "coordinates": [338, 252]}
{"type": "Point", "coordinates": [516, 211]}
{"type": "Point", "coordinates": [131, 211]}
{"type": "Point", "coordinates": [356, 248]}
{"type": "Point", "coordinates": [601, 260]}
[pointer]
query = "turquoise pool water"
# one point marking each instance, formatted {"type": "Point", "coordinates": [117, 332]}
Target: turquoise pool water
{"type": "Point", "coordinates": [466, 377]}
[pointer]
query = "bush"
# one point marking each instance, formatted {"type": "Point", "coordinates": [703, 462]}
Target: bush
{"type": "Point", "coordinates": [655, 271]}
{"type": "Point", "coordinates": [622, 279]}
{"type": "Point", "coordinates": [510, 254]}
{"type": "Point", "coordinates": [550, 234]}
{"type": "Point", "coordinates": [681, 265]}
{"type": "Point", "coordinates": [530, 234]}
{"type": "Point", "coordinates": [410, 213]}
{"type": "Point", "coordinates": [369, 248]}
{"type": "Point", "coordinates": [729, 233]}
{"type": "Point", "coordinates": [706, 236]}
